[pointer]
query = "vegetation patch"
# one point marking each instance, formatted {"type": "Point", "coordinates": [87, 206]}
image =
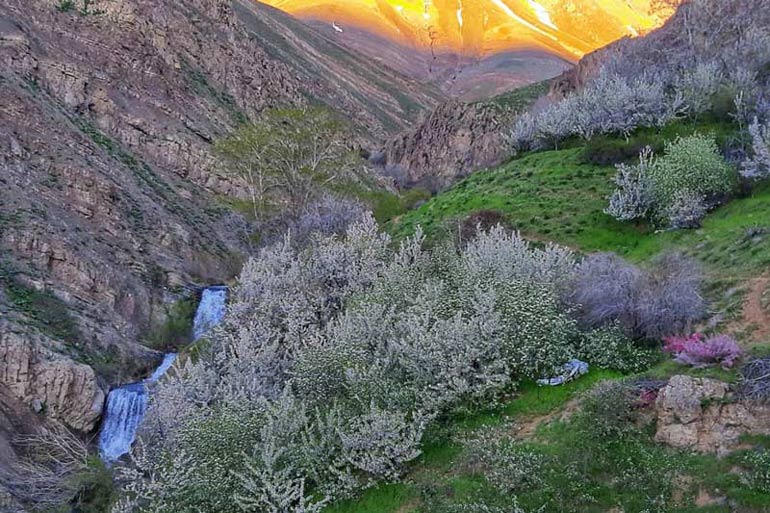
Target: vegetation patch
{"type": "Point", "coordinates": [553, 195]}
{"type": "Point", "coordinates": [225, 100]}
{"type": "Point", "coordinates": [45, 311]}
{"type": "Point", "coordinates": [176, 330]}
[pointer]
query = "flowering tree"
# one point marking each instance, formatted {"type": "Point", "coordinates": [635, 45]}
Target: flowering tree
{"type": "Point", "coordinates": [676, 189]}
{"type": "Point", "coordinates": [758, 165]}
{"type": "Point", "coordinates": [335, 357]}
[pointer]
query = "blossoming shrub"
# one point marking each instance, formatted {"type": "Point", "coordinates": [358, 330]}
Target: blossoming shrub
{"type": "Point", "coordinates": [610, 347]}
{"type": "Point", "coordinates": [608, 412]}
{"type": "Point", "coordinates": [721, 75]}
{"type": "Point", "coordinates": [336, 356]}
{"type": "Point", "coordinates": [698, 351]}
{"type": "Point", "coordinates": [610, 104]}
{"type": "Point", "coordinates": [676, 189]}
{"type": "Point", "coordinates": [694, 165]}
{"type": "Point", "coordinates": [757, 167]}
{"type": "Point", "coordinates": [675, 344]}
{"type": "Point", "coordinates": [507, 465]}
{"type": "Point", "coordinates": [647, 303]}
{"type": "Point", "coordinates": [333, 359]}
{"type": "Point", "coordinates": [632, 198]}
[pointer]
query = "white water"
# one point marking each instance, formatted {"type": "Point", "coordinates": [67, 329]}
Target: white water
{"type": "Point", "coordinates": [211, 310]}
{"type": "Point", "coordinates": [126, 405]}
{"type": "Point", "coordinates": [168, 361]}
{"type": "Point", "coordinates": [125, 409]}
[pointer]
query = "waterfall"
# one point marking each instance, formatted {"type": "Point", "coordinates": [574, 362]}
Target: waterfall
{"type": "Point", "coordinates": [211, 310]}
{"type": "Point", "coordinates": [165, 365]}
{"type": "Point", "coordinates": [125, 408]}
{"type": "Point", "coordinates": [127, 404]}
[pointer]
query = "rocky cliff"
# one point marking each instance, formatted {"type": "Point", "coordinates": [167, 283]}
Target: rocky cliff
{"type": "Point", "coordinates": [454, 140]}
{"type": "Point", "coordinates": [702, 414]}
{"type": "Point", "coordinates": [111, 201]}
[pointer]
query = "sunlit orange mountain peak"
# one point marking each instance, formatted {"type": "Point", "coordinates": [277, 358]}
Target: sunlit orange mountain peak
{"type": "Point", "coordinates": [479, 28]}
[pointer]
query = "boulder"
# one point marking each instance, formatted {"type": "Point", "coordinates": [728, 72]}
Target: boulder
{"type": "Point", "coordinates": [701, 414]}
{"type": "Point", "coordinates": [47, 381]}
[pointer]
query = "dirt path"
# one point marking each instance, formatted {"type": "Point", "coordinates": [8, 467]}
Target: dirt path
{"type": "Point", "coordinates": [756, 311]}
{"type": "Point", "coordinates": [526, 428]}
{"type": "Point", "coordinates": [409, 507]}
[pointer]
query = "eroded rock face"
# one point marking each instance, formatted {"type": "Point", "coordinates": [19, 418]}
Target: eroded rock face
{"type": "Point", "coordinates": [700, 414]}
{"type": "Point", "coordinates": [47, 381]}
{"type": "Point", "coordinates": [452, 141]}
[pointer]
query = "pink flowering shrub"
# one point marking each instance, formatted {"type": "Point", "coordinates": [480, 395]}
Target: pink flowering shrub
{"type": "Point", "coordinates": [698, 351]}
{"type": "Point", "coordinates": [675, 343]}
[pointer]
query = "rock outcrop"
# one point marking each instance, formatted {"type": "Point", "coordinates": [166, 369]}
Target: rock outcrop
{"type": "Point", "coordinates": [452, 141]}
{"type": "Point", "coordinates": [701, 414]}
{"type": "Point", "coordinates": [49, 382]}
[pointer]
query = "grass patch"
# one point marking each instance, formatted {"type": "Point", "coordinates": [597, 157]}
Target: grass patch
{"type": "Point", "coordinates": [584, 472]}
{"type": "Point", "coordinates": [385, 205]}
{"type": "Point", "coordinates": [519, 99]}
{"type": "Point", "coordinates": [203, 87]}
{"type": "Point", "coordinates": [42, 308]}
{"type": "Point", "coordinates": [384, 498]}
{"type": "Point", "coordinates": [537, 400]}
{"type": "Point", "coordinates": [555, 196]}
{"type": "Point", "coordinates": [669, 368]}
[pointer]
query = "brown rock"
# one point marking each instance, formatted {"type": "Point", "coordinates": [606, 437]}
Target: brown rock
{"type": "Point", "coordinates": [48, 381]}
{"type": "Point", "coordinates": [700, 414]}
{"type": "Point", "coordinates": [452, 141]}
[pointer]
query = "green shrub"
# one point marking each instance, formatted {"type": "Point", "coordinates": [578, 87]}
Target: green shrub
{"type": "Point", "coordinates": [176, 330]}
{"type": "Point", "coordinates": [758, 475]}
{"type": "Point", "coordinates": [677, 189]}
{"type": "Point", "coordinates": [46, 311]}
{"type": "Point", "coordinates": [508, 466]}
{"type": "Point", "coordinates": [96, 489]}
{"type": "Point", "coordinates": [693, 165]}
{"type": "Point", "coordinates": [608, 412]}
{"type": "Point", "coordinates": [66, 6]}
{"type": "Point", "coordinates": [611, 348]}
{"type": "Point", "coordinates": [607, 151]}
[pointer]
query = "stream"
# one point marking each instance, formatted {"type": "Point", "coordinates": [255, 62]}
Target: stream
{"type": "Point", "coordinates": [127, 404]}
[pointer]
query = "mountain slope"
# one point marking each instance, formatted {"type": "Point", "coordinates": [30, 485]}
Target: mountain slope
{"type": "Point", "coordinates": [481, 28]}
{"type": "Point", "coordinates": [112, 202]}
{"type": "Point", "coordinates": [476, 50]}
{"type": "Point", "coordinates": [375, 97]}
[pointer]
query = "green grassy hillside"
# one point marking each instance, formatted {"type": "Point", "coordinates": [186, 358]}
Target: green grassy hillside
{"type": "Point", "coordinates": [558, 196]}
{"type": "Point", "coordinates": [627, 473]}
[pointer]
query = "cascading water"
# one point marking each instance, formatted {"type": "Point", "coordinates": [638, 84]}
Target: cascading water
{"type": "Point", "coordinates": [211, 310]}
{"type": "Point", "coordinates": [126, 405]}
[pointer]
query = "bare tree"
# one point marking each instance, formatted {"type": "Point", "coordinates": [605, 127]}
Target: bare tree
{"type": "Point", "coordinates": [45, 475]}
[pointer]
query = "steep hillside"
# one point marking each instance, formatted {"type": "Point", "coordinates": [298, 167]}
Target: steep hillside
{"type": "Point", "coordinates": [374, 97]}
{"type": "Point", "coordinates": [485, 27]}
{"type": "Point", "coordinates": [454, 140]}
{"type": "Point", "coordinates": [461, 76]}
{"type": "Point", "coordinates": [112, 202]}
{"type": "Point", "coordinates": [476, 50]}
{"type": "Point", "coordinates": [560, 196]}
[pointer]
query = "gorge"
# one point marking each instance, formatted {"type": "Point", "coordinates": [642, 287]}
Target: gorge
{"type": "Point", "coordinates": [127, 404]}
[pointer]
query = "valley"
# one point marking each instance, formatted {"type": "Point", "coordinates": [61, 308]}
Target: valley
{"type": "Point", "coordinates": [384, 256]}
{"type": "Point", "coordinates": [476, 49]}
